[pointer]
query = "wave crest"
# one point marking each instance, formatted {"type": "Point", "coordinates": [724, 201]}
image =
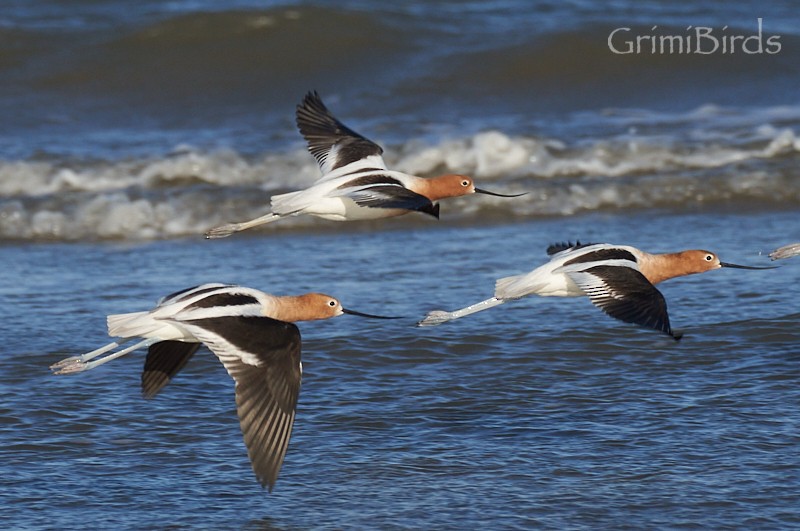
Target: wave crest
{"type": "Point", "coordinates": [189, 191]}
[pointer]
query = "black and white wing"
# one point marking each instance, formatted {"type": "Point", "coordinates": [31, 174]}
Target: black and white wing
{"type": "Point", "coordinates": [164, 360]}
{"type": "Point", "coordinates": [625, 294]}
{"type": "Point", "coordinates": [186, 294]}
{"type": "Point", "coordinates": [262, 355]}
{"type": "Point", "coordinates": [599, 252]}
{"type": "Point", "coordinates": [332, 143]}
{"type": "Point", "coordinates": [384, 191]}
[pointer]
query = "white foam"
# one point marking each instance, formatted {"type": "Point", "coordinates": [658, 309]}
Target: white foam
{"type": "Point", "coordinates": [188, 191]}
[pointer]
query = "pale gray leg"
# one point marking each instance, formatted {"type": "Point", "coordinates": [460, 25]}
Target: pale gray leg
{"type": "Point", "coordinates": [81, 363]}
{"type": "Point", "coordinates": [438, 317]}
{"type": "Point", "coordinates": [223, 231]}
{"type": "Point", "coordinates": [89, 355]}
{"type": "Point", "coordinates": [786, 251]}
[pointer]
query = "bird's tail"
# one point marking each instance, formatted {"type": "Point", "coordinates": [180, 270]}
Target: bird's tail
{"type": "Point", "coordinates": [287, 204]}
{"type": "Point", "coordinates": [131, 324]}
{"type": "Point", "coordinates": [512, 287]}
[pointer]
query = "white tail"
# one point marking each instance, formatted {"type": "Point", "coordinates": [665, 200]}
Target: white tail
{"type": "Point", "coordinates": [284, 204]}
{"type": "Point", "coordinates": [131, 324]}
{"type": "Point", "coordinates": [512, 287]}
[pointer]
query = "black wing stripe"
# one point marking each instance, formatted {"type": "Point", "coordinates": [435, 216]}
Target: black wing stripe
{"type": "Point", "coordinates": [224, 299]}
{"type": "Point", "coordinates": [164, 360]}
{"type": "Point", "coordinates": [185, 293]}
{"type": "Point", "coordinates": [367, 180]}
{"type": "Point", "coordinates": [602, 255]}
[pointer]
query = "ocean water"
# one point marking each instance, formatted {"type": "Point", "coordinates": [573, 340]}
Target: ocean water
{"type": "Point", "coordinates": [128, 130]}
{"type": "Point", "coordinates": [542, 413]}
{"type": "Point", "coordinates": [165, 119]}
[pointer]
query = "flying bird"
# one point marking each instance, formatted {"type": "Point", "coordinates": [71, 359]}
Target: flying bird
{"type": "Point", "coordinates": [253, 335]}
{"type": "Point", "coordinates": [355, 182]}
{"type": "Point", "coordinates": [619, 279]}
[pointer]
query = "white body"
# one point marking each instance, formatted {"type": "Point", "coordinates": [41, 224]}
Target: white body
{"type": "Point", "coordinates": [168, 321]}
{"type": "Point", "coordinates": [553, 278]}
{"type": "Point", "coordinates": [330, 196]}
{"type": "Point", "coordinates": [164, 322]}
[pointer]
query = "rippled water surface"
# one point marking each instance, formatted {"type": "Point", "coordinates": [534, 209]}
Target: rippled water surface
{"type": "Point", "coordinates": [131, 128]}
{"type": "Point", "coordinates": [539, 413]}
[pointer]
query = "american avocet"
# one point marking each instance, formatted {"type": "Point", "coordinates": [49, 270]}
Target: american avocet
{"type": "Point", "coordinates": [355, 183]}
{"type": "Point", "coordinates": [618, 279]}
{"type": "Point", "coordinates": [787, 251]}
{"type": "Point", "coordinates": [252, 334]}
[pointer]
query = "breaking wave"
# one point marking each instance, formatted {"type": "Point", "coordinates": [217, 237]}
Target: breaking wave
{"type": "Point", "coordinates": [185, 192]}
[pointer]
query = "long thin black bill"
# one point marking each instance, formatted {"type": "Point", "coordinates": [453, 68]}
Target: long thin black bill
{"type": "Point", "coordinates": [360, 314]}
{"type": "Point", "coordinates": [487, 192]}
{"type": "Point", "coordinates": [736, 266]}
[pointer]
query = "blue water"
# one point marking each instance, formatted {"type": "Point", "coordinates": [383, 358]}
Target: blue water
{"type": "Point", "coordinates": [128, 130]}
{"type": "Point", "coordinates": [541, 413]}
{"type": "Point", "coordinates": [86, 79]}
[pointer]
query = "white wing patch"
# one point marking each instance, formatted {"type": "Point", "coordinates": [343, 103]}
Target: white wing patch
{"type": "Point", "coordinates": [594, 286]}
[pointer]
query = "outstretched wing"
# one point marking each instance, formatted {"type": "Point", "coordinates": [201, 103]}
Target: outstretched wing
{"type": "Point", "coordinates": [625, 294]}
{"type": "Point", "coordinates": [262, 355]}
{"type": "Point", "coordinates": [332, 143]}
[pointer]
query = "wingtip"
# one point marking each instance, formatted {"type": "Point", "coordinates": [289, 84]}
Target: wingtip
{"type": "Point", "coordinates": [267, 483]}
{"type": "Point", "coordinates": [152, 384]}
{"type": "Point", "coordinates": [432, 210]}
{"type": "Point", "coordinates": [554, 248]}
{"type": "Point", "coordinates": [311, 99]}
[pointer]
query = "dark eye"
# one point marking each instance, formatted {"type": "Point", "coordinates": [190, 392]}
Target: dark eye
{"type": "Point", "coordinates": [709, 257]}
{"type": "Point", "coordinates": [332, 303]}
{"type": "Point", "coordinates": [465, 183]}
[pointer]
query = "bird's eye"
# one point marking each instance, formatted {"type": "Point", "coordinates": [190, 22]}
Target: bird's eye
{"type": "Point", "coordinates": [465, 183]}
{"type": "Point", "coordinates": [332, 303]}
{"type": "Point", "coordinates": [709, 257]}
